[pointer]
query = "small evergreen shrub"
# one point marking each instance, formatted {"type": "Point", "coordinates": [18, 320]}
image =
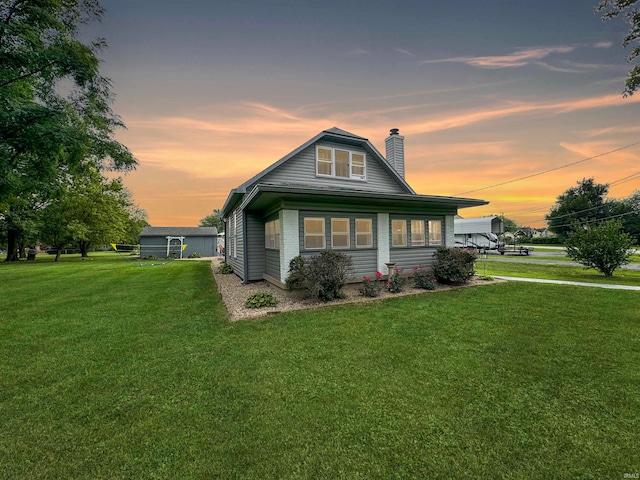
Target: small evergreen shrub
{"type": "Point", "coordinates": [295, 279]}
{"type": "Point", "coordinates": [261, 300]}
{"type": "Point", "coordinates": [424, 279]}
{"type": "Point", "coordinates": [396, 283]}
{"type": "Point", "coordinates": [195, 255]}
{"type": "Point", "coordinates": [225, 268]}
{"type": "Point", "coordinates": [454, 265]}
{"type": "Point", "coordinates": [371, 287]}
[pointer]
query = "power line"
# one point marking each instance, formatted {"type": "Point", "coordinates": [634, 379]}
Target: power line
{"type": "Point", "coordinates": [632, 212]}
{"type": "Point", "coordinates": [633, 176]}
{"type": "Point", "coordinates": [550, 170]}
{"type": "Point", "coordinates": [625, 179]}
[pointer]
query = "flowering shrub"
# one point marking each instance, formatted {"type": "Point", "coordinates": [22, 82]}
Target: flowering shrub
{"type": "Point", "coordinates": [423, 279]}
{"type": "Point", "coordinates": [371, 288]}
{"type": "Point", "coordinates": [396, 283]}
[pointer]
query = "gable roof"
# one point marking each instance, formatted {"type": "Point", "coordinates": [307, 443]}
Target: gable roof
{"type": "Point", "coordinates": [179, 232]}
{"type": "Point", "coordinates": [331, 133]}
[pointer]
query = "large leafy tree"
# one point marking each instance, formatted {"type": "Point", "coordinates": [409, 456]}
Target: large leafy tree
{"type": "Point", "coordinates": [583, 203]}
{"type": "Point", "coordinates": [55, 107]}
{"type": "Point", "coordinates": [92, 210]}
{"type": "Point", "coordinates": [628, 211]}
{"type": "Point", "coordinates": [629, 10]}
{"type": "Point", "coordinates": [600, 245]}
{"type": "Point", "coordinates": [213, 220]}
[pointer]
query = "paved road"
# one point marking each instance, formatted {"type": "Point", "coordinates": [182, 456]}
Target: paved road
{"type": "Point", "coordinates": [630, 266]}
{"type": "Point", "coordinates": [564, 282]}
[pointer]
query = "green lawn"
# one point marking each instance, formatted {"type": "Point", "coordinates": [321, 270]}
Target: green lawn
{"type": "Point", "coordinates": [110, 370]}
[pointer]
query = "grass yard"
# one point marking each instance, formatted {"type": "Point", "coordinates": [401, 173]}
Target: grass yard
{"type": "Point", "coordinates": [115, 371]}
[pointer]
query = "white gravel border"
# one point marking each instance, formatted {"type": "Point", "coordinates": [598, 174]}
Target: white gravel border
{"type": "Point", "coordinates": [234, 294]}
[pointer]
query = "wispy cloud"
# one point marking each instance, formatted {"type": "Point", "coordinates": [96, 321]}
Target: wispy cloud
{"type": "Point", "coordinates": [519, 58]}
{"type": "Point", "coordinates": [405, 52]}
{"type": "Point", "coordinates": [435, 91]}
{"type": "Point", "coordinates": [472, 117]}
{"type": "Point", "coordinates": [554, 68]}
{"type": "Point", "coordinates": [357, 51]}
{"type": "Point", "coordinates": [603, 45]}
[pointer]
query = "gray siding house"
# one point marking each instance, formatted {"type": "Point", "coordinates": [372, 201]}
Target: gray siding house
{"type": "Point", "coordinates": [180, 241]}
{"type": "Point", "coordinates": [335, 191]}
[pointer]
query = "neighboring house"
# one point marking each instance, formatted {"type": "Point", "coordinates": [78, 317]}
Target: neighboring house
{"type": "Point", "coordinates": [335, 191]}
{"type": "Point", "coordinates": [179, 241]}
{"type": "Point", "coordinates": [481, 232]}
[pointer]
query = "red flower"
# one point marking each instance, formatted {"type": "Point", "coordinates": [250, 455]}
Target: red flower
{"type": "Point", "coordinates": [367, 278]}
{"type": "Point", "coordinates": [378, 274]}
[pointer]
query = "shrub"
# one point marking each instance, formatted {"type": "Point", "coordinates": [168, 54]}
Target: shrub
{"type": "Point", "coordinates": [322, 275]}
{"type": "Point", "coordinates": [454, 266]}
{"type": "Point", "coordinates": [225, 268]}
{"type": "Point", "coordinates": [195, 255]}
{"type": "Point", "coordinates": [422, 278]}
{"type": "Point", "coordinates": [261, 300]}
{"type": "Point", "coordinates": [396, 283]}
{"type": "Point", "coordinates": [371, 288]}
{"type": "Point", "coordinates": [295, 279]}
{"type": "Point", "coordinates": [603, 246]}
{"type": "Point", "coordinates": [326, 274]}
{"type": "Point", "coordinates": [150, 257]}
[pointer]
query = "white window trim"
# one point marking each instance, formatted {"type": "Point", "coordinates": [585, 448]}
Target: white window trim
{"type": "Point", "coordinates": [370, 232]}
{"type": "Point", "coordinates": [424, 234]}
{"type": "Point", "coordinates": [406, 237]}
{"type": "Point", "coordinates": [352, 177]}
{"type": "Point", "coordinates": [324, 237]}
{"type": "Point", "coordinates": [235, 234]}
{"type": "Point", "coordinates": [348, 233]}
{"type": "Point", "coordinates": [272, 235]}
{"type": "Point", "coordinates": [428, 235]}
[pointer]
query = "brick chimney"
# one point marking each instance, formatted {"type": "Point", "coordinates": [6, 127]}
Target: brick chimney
{"type": "Point", "coordinates": [395, 151]}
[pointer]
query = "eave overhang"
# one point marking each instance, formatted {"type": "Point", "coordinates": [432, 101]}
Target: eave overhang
{"type": "Point", "coordinates": [264, 196]}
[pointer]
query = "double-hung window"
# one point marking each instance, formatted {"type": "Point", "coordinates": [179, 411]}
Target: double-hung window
{"type": "Point", "coordinates": [435, 232]}
{"type": "Point", "coordinates": [398, 233]}
{"type": "Point", "coordinates": [364, 233]}
{"type": "Point", "coordinates": [417, 233]}
{"type": "Point", "coordinates": [324, 164]}
{"type": "Point", "coordinates": [314, 238]}
{"type": "Point", "coordinates": [272, 234]}
{"type": "Point", "coordinates": [340, 163]}
{"type": "Point", "coordinates": [340, 233]}
{"type": "Point", "coordinates": [357, 166]}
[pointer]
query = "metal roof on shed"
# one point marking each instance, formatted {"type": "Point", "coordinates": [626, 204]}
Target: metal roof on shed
{"type": "Point", "coordinates": [179, 232]}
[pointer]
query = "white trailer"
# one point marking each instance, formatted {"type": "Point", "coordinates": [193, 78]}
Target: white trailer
{"type": "Point", "coordinates": [480, 233]}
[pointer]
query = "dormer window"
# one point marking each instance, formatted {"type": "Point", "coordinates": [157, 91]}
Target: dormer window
{"type": "Point", "coordinates": [339, 163]}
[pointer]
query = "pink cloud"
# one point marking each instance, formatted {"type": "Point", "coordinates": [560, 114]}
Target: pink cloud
{"type": "Point", "coordinates": [519, 58]}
